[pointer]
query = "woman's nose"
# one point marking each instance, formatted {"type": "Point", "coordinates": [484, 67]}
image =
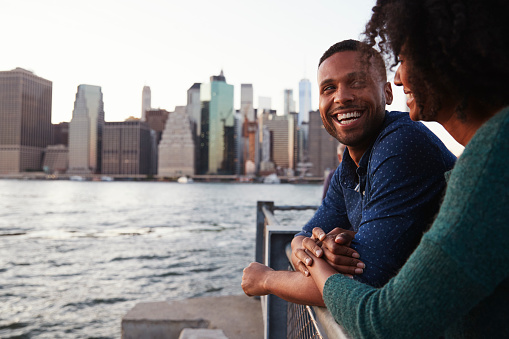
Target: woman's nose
{"type": "Point", "coordinates": [397, 78]}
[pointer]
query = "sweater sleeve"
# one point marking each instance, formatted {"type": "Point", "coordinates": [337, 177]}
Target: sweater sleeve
{"type": "Point", "coordinates": [459, 262]}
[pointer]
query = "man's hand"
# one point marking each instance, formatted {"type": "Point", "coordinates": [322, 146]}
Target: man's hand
{"type": "Point", "coordinates": [299, 257]}
{"type": "Point", "coordinates": [334, 247]}
{"type": "Point", "coordinates": [253, 280]}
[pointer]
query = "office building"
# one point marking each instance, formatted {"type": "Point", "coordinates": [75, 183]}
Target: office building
{"type": "Point", "coordinates": [289, 103]}
{"type": "Point", "coordinates": [156, 120]}
{"type": "Point", "coordinates": [176, 149]}
{"type": "Point", "coordinates": [246, 102]}
{"type": "Point", "coordinates": [127, 148]}
{"type": "Point", "coordinates": [60, 134]}
{"type": "Point", "coordinates": [56, 159]}
{"type": "Point", "coordinates": [85, 131]}
{"type": "Point", "coordinates": [146, 102]}
{"type": "Point", "coordinates": [304, 100]}
{"type": "Point", "coordinates": [322, 148]}
{"type": "Point", "coordinates": [25, 115]}
{"type": "Point", "coordinates": [281, 132]}
{"type": "Point", "coordinates": [193, 107]}
{"type": "Point", "coordinates": [216, 144]}
{"type": "Point", "coordinates": [245, 132]}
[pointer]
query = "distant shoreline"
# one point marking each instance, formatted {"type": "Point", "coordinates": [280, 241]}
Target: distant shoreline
{"type": "Point", "coordinates": [145, 178]}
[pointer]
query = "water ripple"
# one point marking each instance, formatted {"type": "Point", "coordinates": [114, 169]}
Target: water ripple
{"type": "Point", "coordinates": [77, 256]}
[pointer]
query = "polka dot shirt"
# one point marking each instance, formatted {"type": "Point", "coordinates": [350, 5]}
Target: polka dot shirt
{"type": "Point", "coordinates": [390, 199]}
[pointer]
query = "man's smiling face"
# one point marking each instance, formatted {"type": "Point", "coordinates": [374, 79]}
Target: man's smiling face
{"type": "Point", "coordinates": [353, 95]}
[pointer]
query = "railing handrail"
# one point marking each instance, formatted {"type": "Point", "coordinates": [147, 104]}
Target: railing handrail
{"type": "Point", "coordinates": [296, 208]}
{"type": "Point", "coordinates": [269, 231]}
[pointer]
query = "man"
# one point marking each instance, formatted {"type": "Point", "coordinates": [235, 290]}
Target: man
{"type": "Point", "coordinates": [383, 195]}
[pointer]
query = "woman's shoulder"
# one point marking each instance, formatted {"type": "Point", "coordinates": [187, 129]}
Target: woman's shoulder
{"type": "Point", "coordinates": [491, 141]}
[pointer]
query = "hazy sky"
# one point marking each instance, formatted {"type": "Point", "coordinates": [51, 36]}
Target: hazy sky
{"type": "Point", "coordinates": [123, 45]}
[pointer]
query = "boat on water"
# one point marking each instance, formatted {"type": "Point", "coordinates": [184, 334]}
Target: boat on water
{"type": "Point", "coordinates": [271, 179]}
{"type": "Point", "coordinates": [185, 180]}
{"type": "Point", "coordinates": [76, 178]}
{"type": "Point", "coordinates": [106, 178]}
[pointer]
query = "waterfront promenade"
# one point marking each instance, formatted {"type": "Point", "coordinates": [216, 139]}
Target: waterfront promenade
{"type": "Point", "coordinates": [237, 316]}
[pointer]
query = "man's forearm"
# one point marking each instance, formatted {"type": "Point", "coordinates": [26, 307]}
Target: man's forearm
{"type": "Point", "coordinates": [294, 287]}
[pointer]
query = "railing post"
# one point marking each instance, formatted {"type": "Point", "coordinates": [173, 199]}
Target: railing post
{"type": "Point", "coordinates": [260, 229]}
{"type": "Point", "coordinates": [277, 238]}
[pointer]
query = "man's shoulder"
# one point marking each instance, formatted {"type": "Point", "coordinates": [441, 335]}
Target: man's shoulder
{"type": "Point", "coordinates": [399, 127]}
{"type": "Point", "coordinates": [403, 137]}
{"type": "Point", "coordinates": [397, 119]}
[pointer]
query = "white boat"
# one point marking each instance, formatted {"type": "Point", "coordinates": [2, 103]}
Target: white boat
{"type": "Point", "coordinates": [271, 179]}
{"type": "Point", "coordinates": [76, 178]}
{"type": "Point", "coordinates": [106, 178]}
{"type": "Point", "coordinates": [185, 180]}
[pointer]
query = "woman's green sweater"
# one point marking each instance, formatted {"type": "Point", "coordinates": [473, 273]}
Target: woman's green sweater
{"type": "Point", "coordinates": [456, 283]}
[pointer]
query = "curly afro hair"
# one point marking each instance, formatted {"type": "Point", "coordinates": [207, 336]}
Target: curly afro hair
{"type": "Point", "coordinates": [457, 49]}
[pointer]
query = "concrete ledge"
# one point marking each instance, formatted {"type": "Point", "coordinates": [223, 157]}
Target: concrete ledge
{"type": "Point", "coordinates": [192, 333]}
{"type": "Point", "coordinates": [237, 316]}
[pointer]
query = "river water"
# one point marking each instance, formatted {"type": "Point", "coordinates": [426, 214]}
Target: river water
{"type": "Point", "coordinates": [76, 256]}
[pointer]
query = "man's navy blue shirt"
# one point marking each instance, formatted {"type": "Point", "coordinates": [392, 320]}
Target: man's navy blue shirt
{"type": "Point", "coordinates": [390, 199]}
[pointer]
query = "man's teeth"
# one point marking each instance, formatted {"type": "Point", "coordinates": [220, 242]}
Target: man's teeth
{"type": "Point", "coordinates": [353, 115]}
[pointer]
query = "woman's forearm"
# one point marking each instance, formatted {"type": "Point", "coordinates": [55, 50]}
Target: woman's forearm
{"type": "Point", "coordinates": [320, 271]}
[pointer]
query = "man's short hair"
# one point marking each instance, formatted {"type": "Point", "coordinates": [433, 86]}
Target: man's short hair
{"type": "Point", "coordinates": [354, 45]}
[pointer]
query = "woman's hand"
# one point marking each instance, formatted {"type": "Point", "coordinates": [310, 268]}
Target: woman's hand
{"type": "Point", "coordinates": [320, 271]}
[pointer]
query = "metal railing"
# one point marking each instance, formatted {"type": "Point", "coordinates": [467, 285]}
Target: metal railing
{"type": "Point", "coordinates": [283, 319]}
{"type": "Point", "coordinates": [301, 323]}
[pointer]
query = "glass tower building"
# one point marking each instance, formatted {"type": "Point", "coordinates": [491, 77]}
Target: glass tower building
{"type": "Point", "coordinates": [304, 100]}
{"type": "Point", "coordinates": [217, 127]}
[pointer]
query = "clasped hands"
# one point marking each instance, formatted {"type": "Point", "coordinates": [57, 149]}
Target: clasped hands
{"type": "Point", "coordinates": [333, 247]}
{"type": "Point", "coordinates": [322, 253]}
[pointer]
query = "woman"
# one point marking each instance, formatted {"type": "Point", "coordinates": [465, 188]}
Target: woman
{"type": "Point", "coordinates": [455, 70]}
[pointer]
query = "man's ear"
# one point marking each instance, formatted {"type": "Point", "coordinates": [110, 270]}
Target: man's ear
{"type": "Point", "coordinates": [388, 93]}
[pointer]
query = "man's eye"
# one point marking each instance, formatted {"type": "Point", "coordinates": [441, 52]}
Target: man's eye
{"type": "Point", "coordinates": [358, 83]}
{"type": "Point", "coordinates": [328, 88]}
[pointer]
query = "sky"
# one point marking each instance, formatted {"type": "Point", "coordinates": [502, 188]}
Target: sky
{"type": "Point", "coordinates": [123, 45]}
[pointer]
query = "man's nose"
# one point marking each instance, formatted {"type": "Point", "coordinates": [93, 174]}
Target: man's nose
{"type": "Point", "coordinates": [343, 95]}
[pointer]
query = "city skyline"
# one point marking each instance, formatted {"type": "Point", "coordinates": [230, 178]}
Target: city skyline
{"type": "Point", "coordinates": [169, 45]}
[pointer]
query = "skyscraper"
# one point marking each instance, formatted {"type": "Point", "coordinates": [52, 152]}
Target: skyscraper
{"type": "Point", "coordinates": [217, 150]}
{"type": "Point", "coordinates": [85, 131]}
{"type": "Point", "coordinates": [146, 101]}
{"type": "Point", "coordinates": [126, 148]}
{"type": "Point", "coordinates": [304, 100]}
{"type": "Point", "coordinates": [282, 140]}
{"type": "Point", "coordinates": [25, 115]}
{"type": "Point", "coordinates": [288, 101]}
{"type": "Point", "coordinates": [193, 107]}
{"type": "Point", "coordinates": [156, 120]}
{"type": "Point", "coordinates": [246, 102]}
{"type": "Point", "coordinates": [322, 147]}
{"type": "Point", "coordinates": [176, 149]}
{"type": "Point", "coordinates": [245, 131]}
{"type": "Point", "coordinates": [304, 109]}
